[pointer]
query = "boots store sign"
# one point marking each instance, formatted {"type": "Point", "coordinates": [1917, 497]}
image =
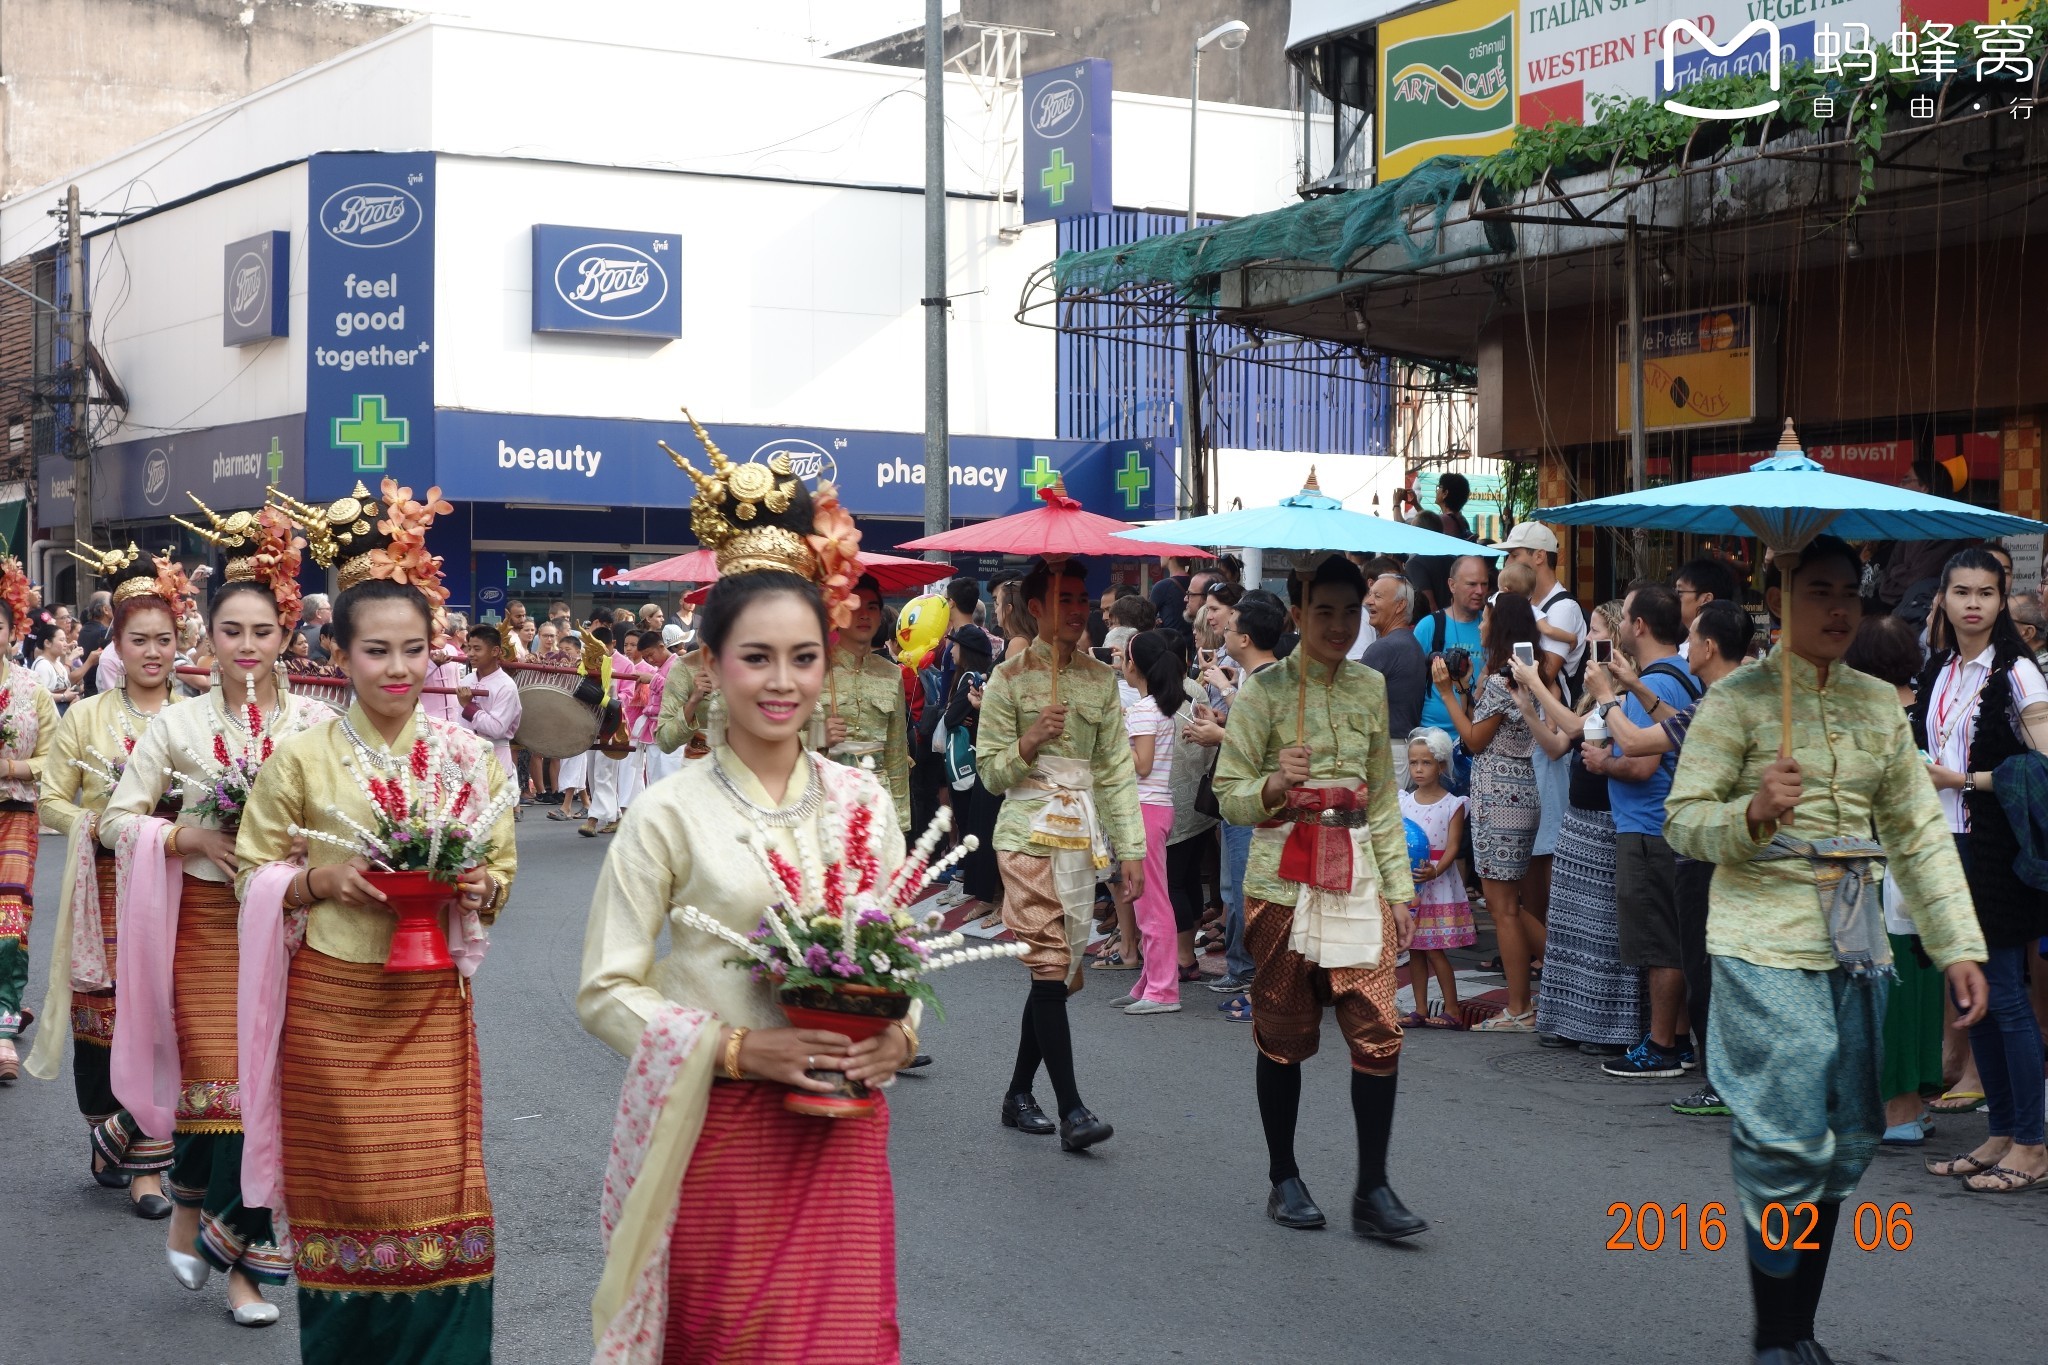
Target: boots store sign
{"type": "Point", "coordinates": [255, 289]}
{"type": "Point", "coordinates": [606, 281]}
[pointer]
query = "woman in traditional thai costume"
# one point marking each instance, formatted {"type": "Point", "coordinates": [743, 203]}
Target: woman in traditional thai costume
{"type": "Point", "coordinates": [86, 760]}
{"type": "Point", "coordinates": [738, 1231]}
{"type": "Point", "coordinates": [28, 722]}
{"type": "Point", "coordinates": [369, 1137]}
{"type": "Point", "coordinates": [173, 1065]}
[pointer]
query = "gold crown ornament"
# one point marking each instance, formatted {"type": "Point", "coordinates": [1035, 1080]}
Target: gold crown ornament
{"type": "Point", "coordinates": [260, 547]}
{"type": "Point", "coordinates": [752, 517]}
{"type": "Point", "coordinates": [131, 573]}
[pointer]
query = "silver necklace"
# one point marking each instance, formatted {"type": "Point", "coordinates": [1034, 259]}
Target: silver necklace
{"type": "Point", "coordinates": [133, 710]}
{"type": "Point", "coordinates": [383, 760]}
{"type": "Point", "coordinates": [229, 712]}
{"type": "Point", "coordinates": [804, 810]}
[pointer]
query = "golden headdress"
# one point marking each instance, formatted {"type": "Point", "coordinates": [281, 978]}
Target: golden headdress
{"type": "Point", "coordinates": [131, 574]}
{"type": "Point", "coordinates": [369, 539]}
{"type": "Point", "coordinates": [259, 547]}
{"type": "Point", "coordinates": [760, 517]}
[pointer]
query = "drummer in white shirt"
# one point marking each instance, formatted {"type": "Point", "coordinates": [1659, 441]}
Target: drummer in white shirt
{"type": "Point", "coordinates": [487, 696]}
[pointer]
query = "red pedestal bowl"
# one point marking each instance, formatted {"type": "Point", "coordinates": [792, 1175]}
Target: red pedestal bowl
{"type": "Point", "coordinates": [418, 944]}
{"type": "Point", "coordinates": [856, 1012]}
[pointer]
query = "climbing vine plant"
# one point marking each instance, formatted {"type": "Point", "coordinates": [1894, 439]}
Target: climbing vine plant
{"type": "Point", "coordinates": [1643, 135]}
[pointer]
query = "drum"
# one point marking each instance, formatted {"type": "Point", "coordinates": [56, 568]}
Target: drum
{"type": "Point", "coordinates": [559, 710]}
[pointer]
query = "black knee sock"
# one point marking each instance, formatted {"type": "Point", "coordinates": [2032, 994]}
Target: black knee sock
{"type": "Point", "coordinates": [1028, 1055]}
{"type": "Point", "coordinates": [1811, 1276]}
{"type": "Point", "coordinates": [1776, 1300]}
{"type": "Point", "coordinates": [1055, 1041]}
{"type": "Point", "coordinates": [1372, 1109]}
{"type": "Point", "coordinates": [1279, 1086]}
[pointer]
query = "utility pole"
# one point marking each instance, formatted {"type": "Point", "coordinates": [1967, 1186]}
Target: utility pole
{"type": "Point", "coordinates": [938, 503]}
{"type": "Point", "coordinates": [1638, 439]}
{"type": "Point", "coordinates": [78, 448]}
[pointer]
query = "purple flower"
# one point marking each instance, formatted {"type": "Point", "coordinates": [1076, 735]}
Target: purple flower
{"type": "Point", "coordinates": [872, 917]}
{"type": "Point", "coordinates": [845, 966]}
{"type": "Point", "coordinates": [816, 958]}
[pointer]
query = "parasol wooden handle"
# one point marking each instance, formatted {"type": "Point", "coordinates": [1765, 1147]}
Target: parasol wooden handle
{"type": "Point", "coordinates": [1301, 706]}
{"type": "Point", "coordinates": [1786, 564]}
{"type": "Point", "coordinates": [1055, 674]}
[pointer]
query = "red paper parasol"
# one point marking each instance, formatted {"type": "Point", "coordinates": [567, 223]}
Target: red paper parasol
{"type": "Point", "coordinates": [895, 573]}
{"type": "Point", "coordinates": [1057, 530]}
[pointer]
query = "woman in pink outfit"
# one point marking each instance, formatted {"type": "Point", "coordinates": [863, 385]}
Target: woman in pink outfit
{"type": "Point", "coordinates": [1153, 666]}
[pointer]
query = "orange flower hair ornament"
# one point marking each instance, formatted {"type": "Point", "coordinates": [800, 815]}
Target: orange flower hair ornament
{"type": "Point", "coordinates": [172, 585]}
{"type": "Point", "coordinates": [14, 591]}
{"type": "Point", "coordinates": [277, 557]}
{"type": "Point", "coordinates": [406, 559]}
{"type": "Point", "coordinates": [835, 540]}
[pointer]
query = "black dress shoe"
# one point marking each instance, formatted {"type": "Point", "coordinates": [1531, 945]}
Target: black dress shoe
{"type": "Point", "coordinates": [1778, 1355]}
{"type": "Point", "coordinates": [152, 1207]}
{"type": "Point", "coordinates": [1080, 1130]}
{"type": "Point", "coordinates": [921, 1059]}
{"type": "Point", "coordinates": [1289, 1205]}
{"type": "Point", "coordinates": [1379, 1213]}
{"type": "Point", "coordinates": [1554, 1040]}
{"type": "Point", "coordinates": [108, 1177]}
{"type": "Point", "coordinates": [1812, 1352]}
{"type": "Point", "coordinates": [1022, 1113]}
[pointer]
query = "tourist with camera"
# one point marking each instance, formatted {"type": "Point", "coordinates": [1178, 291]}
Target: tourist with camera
{"type": "Point", "coordinates": [1453, 635]}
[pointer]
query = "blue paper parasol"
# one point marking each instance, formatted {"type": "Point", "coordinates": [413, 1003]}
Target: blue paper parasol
{"type": "Point", "coordinates": [1785, 501]}
{"type": "Point", "coordinates": [1311, 520]}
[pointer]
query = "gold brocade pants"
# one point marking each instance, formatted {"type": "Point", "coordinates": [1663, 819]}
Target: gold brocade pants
{"type": "Point", "coordinates": [1289, 994]}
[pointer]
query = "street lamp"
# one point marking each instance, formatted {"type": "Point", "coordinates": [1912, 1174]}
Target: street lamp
{"type": "Point", "coordinates": [1228, 35]}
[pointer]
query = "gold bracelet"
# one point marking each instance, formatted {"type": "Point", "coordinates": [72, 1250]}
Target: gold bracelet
{"type": "Point", "coordinates": [171, 841]}
{"type": "Point", "coordinates": [731, 1065]}
{"type": "Point", "coordinates": [909, 1036]}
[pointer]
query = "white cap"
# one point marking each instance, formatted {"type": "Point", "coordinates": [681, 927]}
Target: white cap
{"type": "Point", "coordinates": [1529, 535]}
{"type": "Point", "coordinates": [671, 635]}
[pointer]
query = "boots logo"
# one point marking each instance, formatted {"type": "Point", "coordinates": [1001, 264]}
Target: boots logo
{"type": "Point", "coordinates": [156, 478]}
{"type": "Point", "coordinates": [371, 215]}
{"type": "Point", "coordinates": [246, 290]}
{"type": "Point", "coordinates": [1056, 108]}
{"type": "Point", "coordinates": [808, 460]}
{"type": "Point", "coordinates": [611, 281]}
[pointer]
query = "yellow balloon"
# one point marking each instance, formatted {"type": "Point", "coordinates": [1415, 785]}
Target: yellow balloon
{"type": "Point", "coordinates": [920, 627]}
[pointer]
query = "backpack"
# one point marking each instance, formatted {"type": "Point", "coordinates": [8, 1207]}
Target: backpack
{"type": "Point", "coordinates": [1573, 679]}
{"type": "Point", "coordinates": [1692, 689]}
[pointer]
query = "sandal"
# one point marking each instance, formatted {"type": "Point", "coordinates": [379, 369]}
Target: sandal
{"type": "Point", "coordinates": [1414, 1019]}
{"type": "Point", "coordinates": [1957, 1102]}
{"type": "Point", "coordinates": [1445, 1021]}
{"type": "Point", "coordinates": [1238, 1008]}
{"type": "Point", "coordinates": [1955, 1166]}
{"type": "Point", "coordinates": [1191, 972]}
{"type": "Point", "coordinates": [2006, 1180]}
{"type": "Point", "coordinates": [1504, 1022]}
{"type": "Point", "coordinates": [1113, 962]}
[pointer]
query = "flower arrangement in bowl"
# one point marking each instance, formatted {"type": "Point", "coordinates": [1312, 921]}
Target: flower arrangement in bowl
{"type": "Point", "coordinates": [845, 948]}
{"type": "Point", "coordinates": [432, 817]}
{"type": "Point", "coordinates": [228, 767]}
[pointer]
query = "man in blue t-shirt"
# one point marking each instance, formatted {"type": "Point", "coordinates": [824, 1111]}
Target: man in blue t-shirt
{"type": "Point", "coordinates": [1645, 871]}
{"type": "Point", "coordinates": [1457, 627]}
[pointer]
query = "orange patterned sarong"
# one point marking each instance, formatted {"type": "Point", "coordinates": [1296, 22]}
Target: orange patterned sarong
{"type": "Point", "coordinates": [382, 1112]}
{"type": "Point", "coordinates": [203, 971]}
{"type": "Point", "coordinates": [784, 1246]}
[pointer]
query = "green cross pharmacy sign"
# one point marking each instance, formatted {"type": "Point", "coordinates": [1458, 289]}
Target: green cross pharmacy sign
{"type": "Point", "coordinates": [1066, 141]}
{"type": "Point", "coordinates": [371, 433]}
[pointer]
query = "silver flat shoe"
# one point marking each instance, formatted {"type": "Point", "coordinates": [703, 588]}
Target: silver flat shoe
{"type": "Point", "coordinates": [192, 1271]}
{"type": "Point", "coordinates": [257, 1314]}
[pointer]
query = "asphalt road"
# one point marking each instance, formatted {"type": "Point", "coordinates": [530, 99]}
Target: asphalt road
{"type": "Point", "coordinates": [1153, 1248]}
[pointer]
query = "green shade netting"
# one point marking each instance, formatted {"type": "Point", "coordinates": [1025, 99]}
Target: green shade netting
{"type": "Point", "coordinates": [1332, 231]}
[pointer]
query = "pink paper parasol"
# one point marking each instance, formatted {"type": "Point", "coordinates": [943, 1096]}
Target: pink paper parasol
{"type": "Point", "coordinates": [1060, 529]}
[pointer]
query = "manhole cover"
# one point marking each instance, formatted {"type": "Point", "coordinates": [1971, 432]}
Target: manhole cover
{"type": "Point", "coordinates": [1556, 1064]}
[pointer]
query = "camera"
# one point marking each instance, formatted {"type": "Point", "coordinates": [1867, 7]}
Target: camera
{"type": "Point", "coordinates": [1457, 662]}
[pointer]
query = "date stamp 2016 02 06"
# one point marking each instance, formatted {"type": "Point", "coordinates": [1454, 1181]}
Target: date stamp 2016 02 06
{"type": "Point", "coordinates": [1653, 1227]}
